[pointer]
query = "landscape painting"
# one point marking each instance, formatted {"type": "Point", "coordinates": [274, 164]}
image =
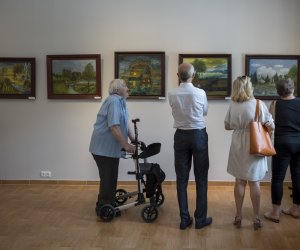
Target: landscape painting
{"type": "Point", "coordinates": [266, 70]}
{"type": "Point", "coordinates": [17, 78]}
{"type": "Point", "coordinates": [213, 73]}
{"type": "Point", "coordinates": [143, 72]}
{"type": "Point", "coordinates": [74, 76]}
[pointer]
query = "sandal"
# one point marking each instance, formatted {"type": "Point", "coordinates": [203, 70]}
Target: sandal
{"type": "Point", "coordinates": [288, 212]}
{"type": "Point", "coordinates": [237, 222]}
{"type": "Point", "coordinates": [271, 218]}
{"type": "Point", "coordinates": [257, 224]}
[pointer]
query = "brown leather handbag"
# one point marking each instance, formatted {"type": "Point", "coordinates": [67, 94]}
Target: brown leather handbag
{"type": "Point", "coordinates": [260, 140]}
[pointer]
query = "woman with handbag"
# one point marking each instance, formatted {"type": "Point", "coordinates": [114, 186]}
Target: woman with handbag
{"type": "Point", "coordinates": [287, 145]}
{"type": "Point", "coordinates": [245, 167]}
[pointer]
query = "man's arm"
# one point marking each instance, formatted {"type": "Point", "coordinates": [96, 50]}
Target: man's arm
{"type": "Point", "coordinates": [115, 130]}
{"type": "Point", "coordinates": [130, 134]}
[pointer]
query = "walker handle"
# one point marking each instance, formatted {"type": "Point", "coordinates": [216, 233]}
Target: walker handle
{"type": "Point", "coordinates": [136, 120]}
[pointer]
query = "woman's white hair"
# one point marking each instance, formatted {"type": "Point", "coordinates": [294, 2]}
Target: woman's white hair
{"type": "Point", "coordinates": [115, 85]}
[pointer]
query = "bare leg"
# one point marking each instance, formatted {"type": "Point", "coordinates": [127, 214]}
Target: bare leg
{"type": "Point", "coordinates": [273, 215]}
{"type": "Point", "coordinates": [255, 197]}
{"type": "Point", "coordinates": [276, 211]}
{"type": "Point", "coordinates": [239, 194]}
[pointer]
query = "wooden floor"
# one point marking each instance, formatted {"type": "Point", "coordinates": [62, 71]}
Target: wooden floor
{"type": "Point", "coordinates": [63, 217]}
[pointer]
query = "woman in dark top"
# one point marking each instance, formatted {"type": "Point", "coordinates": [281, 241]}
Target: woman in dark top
{"type": "Point", "coordinates": [287, 145]}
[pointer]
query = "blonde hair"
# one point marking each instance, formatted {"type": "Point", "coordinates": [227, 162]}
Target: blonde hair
{"type": "Point", "coordinates": [115, 85]}
{"type": "Point", "coordinates": [242, 89]}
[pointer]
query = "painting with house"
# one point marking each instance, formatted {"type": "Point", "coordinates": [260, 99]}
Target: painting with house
{"type": "Point", "coordinates": [143, 73]}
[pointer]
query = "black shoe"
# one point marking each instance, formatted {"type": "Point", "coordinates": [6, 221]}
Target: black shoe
{"type": "Point", "coordinates": [207, 222]}
{"type": "Point", "coordinates": [118, 213]}
{"type": "Point", "coordinates": [184, 225]}
{"type": "Point", "coordinates": [98, 206]}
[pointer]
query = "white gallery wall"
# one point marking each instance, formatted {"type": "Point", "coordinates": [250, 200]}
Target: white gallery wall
{"type": "Point", "coordinates": [54, 135]}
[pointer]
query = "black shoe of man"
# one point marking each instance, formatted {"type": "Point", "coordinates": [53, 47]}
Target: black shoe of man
{"type": "Point", "coordinates": [185, 224]}
{"type": "Point", "coordinates": [205, 223]}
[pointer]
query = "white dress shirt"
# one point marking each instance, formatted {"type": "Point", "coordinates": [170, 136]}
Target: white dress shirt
{"type": "Point", "coordinates": [189, 106]}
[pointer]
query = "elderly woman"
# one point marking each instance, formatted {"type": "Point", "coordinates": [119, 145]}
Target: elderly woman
{"type": "Point", "coordinates": [110, 135]}
{"type": "Point", "coordinates": [241, 164]}
{"type": "Point", "coordinates": [287, 145]}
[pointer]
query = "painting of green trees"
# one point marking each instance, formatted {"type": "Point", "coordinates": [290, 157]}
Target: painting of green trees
{"type": "Point", "coordinates": [15, 77]}
{"type": "Point", "coordinates": [73, 76]}
{"type": "Point", "coordinates": [266, 72]}
{"type": "Point", "coordinates": [213, 73]}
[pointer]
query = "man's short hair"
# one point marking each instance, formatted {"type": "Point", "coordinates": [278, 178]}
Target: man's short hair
{"type": "Point", "coordinates": [185, 71]}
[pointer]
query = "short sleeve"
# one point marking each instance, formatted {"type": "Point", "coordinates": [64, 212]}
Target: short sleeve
{"type": "Point", "coordinates": [113, 114]}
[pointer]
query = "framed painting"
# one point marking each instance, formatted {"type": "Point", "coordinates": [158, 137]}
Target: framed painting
{"type": "Point", "coordinates": [144, 73]}
{"type": "Point", "coordinates": [266, 70]}
{"type": "Point", "coordinates": [74, 76]}
{"type": "Point", "coordinates": [213, 73]}
{"type": "Point", "coordinates": [17, 78]}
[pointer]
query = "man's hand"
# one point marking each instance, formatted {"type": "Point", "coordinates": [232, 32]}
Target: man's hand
{"type": "Point", "coordinates": [129, 148]}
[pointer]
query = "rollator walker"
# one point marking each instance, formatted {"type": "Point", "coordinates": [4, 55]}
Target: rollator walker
{"type": "Point", "coordinates": [149, 178]}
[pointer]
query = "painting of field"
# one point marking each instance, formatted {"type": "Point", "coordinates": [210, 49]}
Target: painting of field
{"type": "Point", "coordinates": [16, 77]}
{"type": "Point", "coordinates": [143, 73]}
{"type": "Point", "coordinates": [265, 72]}
{"type": "Point", "coordinates": [73, 77]}
{"type": "Point", "coordinates": [213, 74]}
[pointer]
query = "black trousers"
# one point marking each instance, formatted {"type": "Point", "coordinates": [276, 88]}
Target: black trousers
{"type": "Point", "coordinates": [191, 145]}
{"type": "Point", "coordinates": [288, 154]}
{"type": "Point", "coordinates": [108, 172]}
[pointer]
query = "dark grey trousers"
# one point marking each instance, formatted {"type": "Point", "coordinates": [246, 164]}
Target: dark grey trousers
{"type": "Point", "coordinates": [191, 145]}
{"type": "Point", "coordinates": [108, 172]}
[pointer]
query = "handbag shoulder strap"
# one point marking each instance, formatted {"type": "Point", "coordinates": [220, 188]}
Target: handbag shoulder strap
{"type": "Point", "coordinates": [256, 110]}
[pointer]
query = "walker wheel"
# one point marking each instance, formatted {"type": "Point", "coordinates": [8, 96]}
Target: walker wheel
{"type": "Point", "coordinates": [118, 196]}
{"type": "Point", "coordinates": [107, 213]}
{"type": "Point", "coordinates": [149, 213]}
{"type": "Point", "coordinates": [159, 198]}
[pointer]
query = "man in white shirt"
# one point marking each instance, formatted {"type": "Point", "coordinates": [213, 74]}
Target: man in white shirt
{"type": "Point", "coordinates": [189, 106]}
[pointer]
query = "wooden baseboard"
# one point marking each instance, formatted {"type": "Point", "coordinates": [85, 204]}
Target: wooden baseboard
{"type": "Point", "coordinates": [49, 182]}
{"type": "Point", "coordinates": [78, 182]}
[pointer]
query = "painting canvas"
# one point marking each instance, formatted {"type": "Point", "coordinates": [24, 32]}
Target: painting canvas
{"type": "Point", "coordinates": [266, 70]}
{"type": "Point", "coordinates": [144, 73]}
{"type": "Point", "coordinates": [74, 76]}
{"type": "Point", "coordinates": [17, 78]}
{"type": "Point", "coordinates": [213, 73]}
